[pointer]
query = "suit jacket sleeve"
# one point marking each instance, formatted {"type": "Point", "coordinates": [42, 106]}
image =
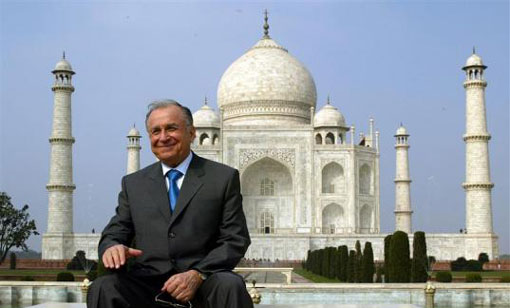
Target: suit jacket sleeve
{"type": "Point", "coordinates": [120, 229]}
{"type": "Point", "coordinates": [233, 237]}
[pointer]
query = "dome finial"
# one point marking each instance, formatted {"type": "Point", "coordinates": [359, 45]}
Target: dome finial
{"type": "Point", "coordinates": [328, 101]}
{"type": "Point", "coordinates": [64, 54]}
{"type": "Point", "coordinates": [205, 100]}
{"type": "Point", "coordinates": [266, 25]}
{"type": "Point", "coordinates": [474, 51]}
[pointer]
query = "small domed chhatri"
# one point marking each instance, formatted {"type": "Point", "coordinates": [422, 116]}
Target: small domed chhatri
{"type": "Point", "coordinates": [474, 60]}
{"type": "Point", "coordinates": [401, 131]}
{"type": "Point", "coordinates": [133, 132]}
{"type": "Point", "coordinates": [329, 116]}
{"type": "Point", "coordinates": [206, 117]}
{"type": "Point", "coordinates": [63, 65]}
{"type": "Point", "coordinates": [266, 86]}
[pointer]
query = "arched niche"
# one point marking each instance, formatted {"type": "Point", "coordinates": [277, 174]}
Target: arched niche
{"type": "Point", "coordinates": [333, 179]}
{"type": "Point", "coordinates": [332, 218]}
{"type": "Point", "coordinates": [262, 171]}
{"type": "Point", "coordinates": [365, 180]}
{"type": "Point", "coordinates": [365, 219]}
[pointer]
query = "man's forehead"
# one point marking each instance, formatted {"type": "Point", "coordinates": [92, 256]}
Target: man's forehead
{"type": "Point", "coordinates": [173, 113]}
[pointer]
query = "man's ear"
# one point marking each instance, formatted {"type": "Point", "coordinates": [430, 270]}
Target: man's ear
{"type": "Point", "coordinates": [193, 133]}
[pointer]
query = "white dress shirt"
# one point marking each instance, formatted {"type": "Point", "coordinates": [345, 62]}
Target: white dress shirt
{"type": "Point", "coordinates": [182, 167]}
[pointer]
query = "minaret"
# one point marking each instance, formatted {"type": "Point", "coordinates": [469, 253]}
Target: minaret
{"type": "Point", "coordinates": [133, 149]}
{"type": "Point", "coordinates": [60, 185]}
{"type": "Point", "coordinates": [403, 210]}
{"type": "Point", "coordinates": [478, 184]}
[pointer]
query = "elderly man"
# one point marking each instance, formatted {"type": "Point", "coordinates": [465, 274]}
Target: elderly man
{"type": "Point", "coordinates": [184, 215]}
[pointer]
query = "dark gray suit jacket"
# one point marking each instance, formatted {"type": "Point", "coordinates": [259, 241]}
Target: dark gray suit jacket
{"type": "Point", "coordinates": [206, 232]}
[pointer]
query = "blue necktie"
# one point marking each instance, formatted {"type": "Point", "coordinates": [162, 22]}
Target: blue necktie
{"type": "Point", "coordinates": [173, 190]}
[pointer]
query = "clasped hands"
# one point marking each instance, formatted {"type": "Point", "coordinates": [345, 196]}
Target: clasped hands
{"type": "Point", "coordinates": [181, 286]}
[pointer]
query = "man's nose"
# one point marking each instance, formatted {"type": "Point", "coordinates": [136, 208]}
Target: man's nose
{"type": "Point", "coordinates": [164, 135]}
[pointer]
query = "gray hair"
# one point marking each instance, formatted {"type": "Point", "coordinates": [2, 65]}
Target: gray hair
{"type": "Point", "coordinates": [167, 103]}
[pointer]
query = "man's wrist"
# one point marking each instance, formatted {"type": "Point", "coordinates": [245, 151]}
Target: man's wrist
{"type": "Point", "coordinates": [201, 275]}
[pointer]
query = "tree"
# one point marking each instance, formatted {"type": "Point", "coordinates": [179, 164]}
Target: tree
{"type": "Point", "coordinates": [351, 264]}
{"type": "Point", "coordinates": [368, 267]}
{"type": "Point", "coordinates": [399, 257]}
{"type": "Point", "coordinates": [419, 264]}
{"type": "Point", "coordinates": [15, 227]}
{"type": "Point", "coordinates": [357, 269]}
{"type": "Point", "coordinates": [483, 257]}
{"type": "Point", "coordinates": [387, 261]}
{"type": "Point", "coordinates": [344, 259]}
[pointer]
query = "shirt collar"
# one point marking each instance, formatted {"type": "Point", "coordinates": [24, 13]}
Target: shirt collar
{"type": "Point", "coordinates": [182, 167]}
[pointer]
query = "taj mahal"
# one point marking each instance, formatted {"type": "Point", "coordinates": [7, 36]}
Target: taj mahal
{"type": "Point", "coordinates": [309, 179]}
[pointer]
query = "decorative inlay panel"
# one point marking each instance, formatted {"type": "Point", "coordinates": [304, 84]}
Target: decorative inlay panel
{"type": "Point", "coordinates": [246, 156]}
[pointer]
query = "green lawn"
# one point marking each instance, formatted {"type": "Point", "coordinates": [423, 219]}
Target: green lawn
{"type": "Point", "coordinates": [313, 277]}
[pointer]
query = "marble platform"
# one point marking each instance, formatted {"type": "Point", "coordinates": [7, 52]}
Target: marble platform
{"type": "Point", "coordinates": [75, 305]}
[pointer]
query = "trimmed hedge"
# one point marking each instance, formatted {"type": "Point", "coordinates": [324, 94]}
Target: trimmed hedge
{"type": "Point", "coordinates": [65, 276]}
{"type": "Point", "coordinates": [505, 278]}
{"type": "Point", "coordinates": [444, 276]}
{"type": "Point", "coordinates": [473, 277]}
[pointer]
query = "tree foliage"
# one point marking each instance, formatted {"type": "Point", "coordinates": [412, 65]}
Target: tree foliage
{"type": "Point", "coordinates": [368, 267]}
{"type": "Point", "coordinates": [15, 226]}
{"type": "Point", "coordinates": [419, 264]}
{"type": "Point", "coordinates": [400, 264]}
{"type": "Point", "coordinates": [387, 263]}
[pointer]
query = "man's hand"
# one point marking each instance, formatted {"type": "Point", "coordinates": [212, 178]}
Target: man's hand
{"type": "Point", "coordinates": [183, 286]}
{"type": "Point", "coordinates": [116, 256]}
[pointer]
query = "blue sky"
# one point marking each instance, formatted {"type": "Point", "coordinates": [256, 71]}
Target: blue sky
{"type": "Point", "coordinates": [397, 61]}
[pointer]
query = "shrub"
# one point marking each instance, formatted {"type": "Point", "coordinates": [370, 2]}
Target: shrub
{"type": "Point", "coordinates": [473, 277]}
{"type": "Point", "coordinates": [505, 278]}
{"type": "Point", "coordinates": [459, 264]}
{"type": "Point", "coordinates": [65, 276]}
{"type": "Point", "coordinates": [473, 266]}
{"type": "Point", "coordinates": [483, 257]}
{"type": "Point", "coordinates": [419, 263]}
{"type": "Point", "coordinates": [27, 278]}
{"type": "Point", "coordinates": [399, 256]}
{"type": "Point", "coordinates": [444, 276]}
{"type": "Point", "coordinates": [12, 261]}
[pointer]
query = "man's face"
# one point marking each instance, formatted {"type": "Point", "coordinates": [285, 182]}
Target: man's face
{"type": "Point", "coordinates": [170, 136]}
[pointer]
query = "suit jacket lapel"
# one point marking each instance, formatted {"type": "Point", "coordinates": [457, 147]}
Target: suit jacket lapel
{"type": "Point", "coordinates": [191, 184]}
{"type": "Point", "coordinates": [158, 191]}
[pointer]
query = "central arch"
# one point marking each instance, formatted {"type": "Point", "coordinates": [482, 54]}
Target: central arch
{"type": "Point", "coordinates": [268, 191]}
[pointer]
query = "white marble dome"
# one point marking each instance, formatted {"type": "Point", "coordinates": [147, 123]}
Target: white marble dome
{"type": "Point", "coordinates": [329, 116]}
{"type": "Point", "coordinates": [206, 117]}
{"type": "Point", "coordinates": [63, 65]}
{"type": "Point", "coordinates": [474, 60]}
{"type": "Point", "coordinates": [266, 85]}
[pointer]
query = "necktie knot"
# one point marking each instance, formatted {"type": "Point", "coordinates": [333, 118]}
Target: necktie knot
{"type": "Point", "coordinates": [173, 175]}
